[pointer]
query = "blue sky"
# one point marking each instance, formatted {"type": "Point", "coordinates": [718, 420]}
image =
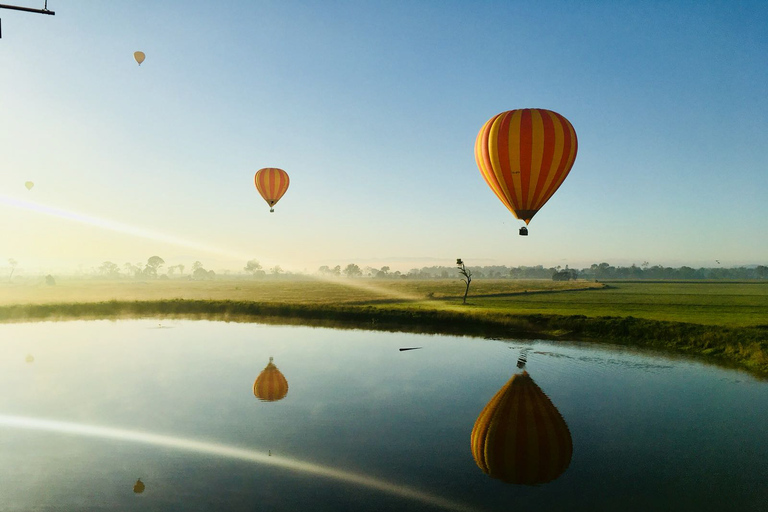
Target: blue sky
{"type": "Point", "coordinates": [373, 109]}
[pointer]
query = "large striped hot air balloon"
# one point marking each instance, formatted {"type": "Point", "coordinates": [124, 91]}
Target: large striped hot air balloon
{"type": "Point", "coordinates": [271, 183]}
{"type": "Point", "coordinates": [524, 155]}
{"type": "Point", "coordinates": [520, 437]}
{"type": "Point", "coordinates": [270, 385]}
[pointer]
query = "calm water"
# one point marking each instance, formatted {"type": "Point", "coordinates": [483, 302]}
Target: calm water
{"type": "Point", "coordinates": [88, 408]}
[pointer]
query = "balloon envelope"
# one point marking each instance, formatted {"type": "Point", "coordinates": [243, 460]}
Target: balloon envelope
{"type": "Point", "coordinates": [520, 437]}
{"type": "Point", "coordinates": [271, 183]}
{"type": "Point", "coordinates": [270, 385]}
{"type": "Point", "coordinates": [138, 487]}
{"type": "Point", "coordinates": [29, 185]}
{"type": "Point", "coordinates": [139, 56]}
{"type": "Point", "coordinates": [524, 155]}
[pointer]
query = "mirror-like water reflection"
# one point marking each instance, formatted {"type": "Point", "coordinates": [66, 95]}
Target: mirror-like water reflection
{"type": "Point", "coordinates": [198, 415]}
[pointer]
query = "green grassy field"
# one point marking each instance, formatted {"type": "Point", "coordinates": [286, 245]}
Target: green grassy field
{"type": "Point", "coordinates": [727, 322]}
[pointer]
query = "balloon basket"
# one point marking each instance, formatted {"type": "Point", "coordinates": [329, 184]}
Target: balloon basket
{"type": "Point", "coordinates": [271, 210]}
{"type": "Point", "coordinates": [523, 231]}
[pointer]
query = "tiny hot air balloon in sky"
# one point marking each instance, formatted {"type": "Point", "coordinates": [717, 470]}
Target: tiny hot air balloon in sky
{"type": "Point", "coordinates": [271, 183]}
{"type": "Point", "coordinates": [520, 437]}
{"type": "Point", "coordinates": [270, 385]}
{"type": "Point", "coordinates": [524, 155]}
{"type": "Point", "coordinates": [139, 56]}
{"type": "Point", "coordinates": [138, 487]}
{"type": "Point", "coordinates": [29, 185]}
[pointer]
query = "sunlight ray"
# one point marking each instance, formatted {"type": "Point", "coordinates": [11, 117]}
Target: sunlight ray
{"type": "Point", "coordinates": [230, 452]}
{"type": "Point", "coordinates": [117, 226]}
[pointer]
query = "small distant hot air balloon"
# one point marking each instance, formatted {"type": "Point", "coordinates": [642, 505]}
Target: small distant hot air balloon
{"type": "Point", "coordinates": [271, 184]}
{"type": "Point", "coordinates": [520, 437]}
{"type": "Point", "coordinates": [524, 155]}
{"type": "Point", "coordinates": [138, 487]}
{"type": "Point", "coordinates": [270, 385]}
{"type": "Point", "coordinates": [30, 358]}
{"type": "Point", "coordinates": [29, 185]}
{"type": "Point", "coordinates": [139, 56]}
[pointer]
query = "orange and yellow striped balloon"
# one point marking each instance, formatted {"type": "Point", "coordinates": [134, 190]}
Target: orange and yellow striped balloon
{"type": "Point", "coordinates": [524, 155]}
{"type": "Point", "coordinates": [520, 437]}
{"type": "Point", "coordinates": [270, 385]}
{"type": "Point", "coordinates": [271, 183]}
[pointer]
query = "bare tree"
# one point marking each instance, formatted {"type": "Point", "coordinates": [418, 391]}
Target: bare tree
{"type": "Point", "coordinates": [464, 271]}
{"type": "Point", "coordinates": [12, 262]}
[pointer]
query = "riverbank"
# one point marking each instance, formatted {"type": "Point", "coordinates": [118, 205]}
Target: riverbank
{"type": "Point", "coordinates": [741, 347]}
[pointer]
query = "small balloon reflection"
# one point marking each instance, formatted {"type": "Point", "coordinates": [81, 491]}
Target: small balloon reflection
{"type": "Point", "coordinates": [270, 385]}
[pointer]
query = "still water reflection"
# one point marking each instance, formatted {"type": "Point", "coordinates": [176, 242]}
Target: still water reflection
{"type": "Point", "coordinates": [120, 415]}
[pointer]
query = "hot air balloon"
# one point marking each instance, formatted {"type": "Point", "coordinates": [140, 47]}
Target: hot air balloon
{"type": "Point", "coordinates": [271, 184]}
{"type": "Point", "coordinates": [520, 437]}
{"type": "Point", "coordinates": [138, 487]}
{"type": "Point", "coordinates": [270, 385]}
{"type": "Point", "coordinates": [139, 56]}
{"type": "Point", "coordinates": [29, 185]}
{"type": "Point", "coordinates": [524, 155]}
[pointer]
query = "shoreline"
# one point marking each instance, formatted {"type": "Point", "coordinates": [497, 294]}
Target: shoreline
{"type": "Point", "coordinates": [744, 348]}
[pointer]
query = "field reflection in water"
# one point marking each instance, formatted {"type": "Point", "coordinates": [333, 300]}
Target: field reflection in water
{"type": "Point", "coordinates": [122, 415]}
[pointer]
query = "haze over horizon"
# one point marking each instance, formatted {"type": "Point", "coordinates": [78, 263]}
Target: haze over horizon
{"type": "Point", "coordinates": [373, 109]}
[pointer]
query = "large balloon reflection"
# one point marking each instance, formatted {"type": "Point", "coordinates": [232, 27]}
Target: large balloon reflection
{"type": "Point", "coordinates": [520, 437]}
{"type": "Point", "coordinates": [270, 385]}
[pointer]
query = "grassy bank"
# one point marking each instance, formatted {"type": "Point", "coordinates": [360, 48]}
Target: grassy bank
{"type": "Point", "coordinates": [725, 323]}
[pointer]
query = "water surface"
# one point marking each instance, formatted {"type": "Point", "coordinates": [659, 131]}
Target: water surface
{"type": "Point", "coordinates": [90, 407]}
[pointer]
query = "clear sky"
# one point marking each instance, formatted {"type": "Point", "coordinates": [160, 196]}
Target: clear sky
{"type": "Point", "coordinates": [372, 107]}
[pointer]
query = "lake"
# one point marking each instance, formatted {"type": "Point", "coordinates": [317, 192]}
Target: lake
{"type": "Point", "coordinates": [191, 415]}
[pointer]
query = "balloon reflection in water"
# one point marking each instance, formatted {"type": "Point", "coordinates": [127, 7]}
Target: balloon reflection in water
{"type": "Point", "coordinates": [520, 437]}
{"type": "Point", "coordinates": [270, 385]}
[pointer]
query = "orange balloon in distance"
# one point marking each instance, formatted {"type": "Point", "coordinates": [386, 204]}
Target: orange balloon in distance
{"type": "Point", "coordinates": [520, 437]}
{"type": "Point", "coordinates": [524, 155]}
{"type": "Point", "coordinates": [139, 57]}
{"type": "Point", "coordinates": [270, 385]}
{"type": "Point", "coordinates": [271, 183]}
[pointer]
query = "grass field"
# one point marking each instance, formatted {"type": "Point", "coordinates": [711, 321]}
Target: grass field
{"type": "Point", "coordinates": [726, 321]}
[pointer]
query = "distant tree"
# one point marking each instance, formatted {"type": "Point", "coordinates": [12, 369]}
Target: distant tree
{"type": "Point", "coordinates": [761, 271]}
{"type": "Point", "coordinates": [109, 269]}
{"type": "Point", "coordinates": [253, 267]}
{"type": "Point", "coordinates": [132, 270]}
{"type": "Point", "coordinates": [171, 270]}
{"type": "Point", "coordinates": [467, 276]}
{"type": "Point", "coordinates": [12, 262]}
{"type": "Point", "coordinates": [352, 270]}
{"type": "Point", "coordinates": [563, 275]}
{"type": "Point", "coordinates": [49, 280]}
{"type": "Point", "coordinates": [196, 265]}
{"type": "Point", "coordinates": [181, 269]}
{"type": "Point", "coordinates": [200, 274]}
{"type": "Point", "coordinates": [153, 264]}
{"type": "Point", "coordinates": [336, 270]}
{"type": "Point", "coordinates": [276, 270]}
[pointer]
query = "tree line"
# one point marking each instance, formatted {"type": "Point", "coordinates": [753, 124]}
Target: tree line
{"type": "Point", "coordinates": [155, 268]}
{"type": "Point", "coordinates": [596, 271]}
